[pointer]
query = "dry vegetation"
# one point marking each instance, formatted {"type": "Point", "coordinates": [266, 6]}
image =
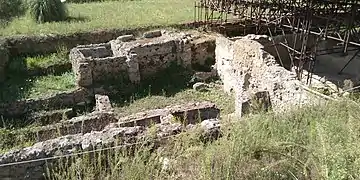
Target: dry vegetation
{"type": "Point", "coordinates": [311, 143]}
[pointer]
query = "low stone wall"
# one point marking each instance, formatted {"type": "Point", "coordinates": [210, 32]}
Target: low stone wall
{"type": "Point", "coordinates": [191, 113]}
{"type": "Point", "coordinates": [102, 134]}
{"type": "Point", "coordinates": [250, 72]}
{"type": "Point", "coordinates": [57, 101]}
{"type": "Point", "coordinates": [134, 59]}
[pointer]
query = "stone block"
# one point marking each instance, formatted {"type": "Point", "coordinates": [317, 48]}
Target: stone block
{"type": "Point", "coordinates": [103, 103]}
{"type": "Point", "coordinates": [133, 68]}
{"type": "Point", "coordinates": [84, 75]}
{"type": "Point", "coordinates": [96, 52]}
{"type": "Point", "coordinates": [152, 34]}
{"type": "Point", "coordinates": [126, 38]}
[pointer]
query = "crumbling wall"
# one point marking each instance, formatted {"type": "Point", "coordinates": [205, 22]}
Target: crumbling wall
{"type": "Point", "coordinates": [245, 67]}
{"type": "Point", "coordinates": [105, 133]}
{"type": "Point", "coordinates": [56, 101]}
{"type": "Point", "coordinates": [135, 59]}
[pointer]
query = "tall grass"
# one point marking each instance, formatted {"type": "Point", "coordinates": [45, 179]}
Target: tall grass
{"type": "Point", "coordinates": [312, 143]}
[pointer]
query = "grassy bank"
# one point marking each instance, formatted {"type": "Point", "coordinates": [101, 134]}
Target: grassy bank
{"type": "Point", "coordinates": [312, 143]}
{"type": "Point", "coordinates": [117, 14]}
{"type": "Point", "coordinates": [22, 87]}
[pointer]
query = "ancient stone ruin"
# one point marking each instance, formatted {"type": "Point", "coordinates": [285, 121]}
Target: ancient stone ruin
{"type": "Point", "coordinates": [133, 59]}
{"type": "Point", "coordinates": [102, 129]}
{"type": "Point", "coordinates": [247, 67]}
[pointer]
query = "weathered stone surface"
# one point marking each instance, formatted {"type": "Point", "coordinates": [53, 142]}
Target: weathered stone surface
{"type": "Point", "coordinates": [126, 38]}
{"type": "Point", "coordinates": [245, 67]}
{"type": "Point", "coordinates": [152, 34]}
{"type": "Point", "coordinates": [93, 132]}
{"type": "Point", "coordinates": [139, 58]}
{"type": "Point", "coordinates": [103, 103]}
{"type": "Point", "coordinates": [199, 86]}
{"type": "Point", "coordinates": [95, 121]}
{"type": "Point", "coordinates": [51, 102]}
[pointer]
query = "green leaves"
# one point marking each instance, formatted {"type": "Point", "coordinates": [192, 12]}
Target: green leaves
{"type": "Point", "coordinates": [47, 10]}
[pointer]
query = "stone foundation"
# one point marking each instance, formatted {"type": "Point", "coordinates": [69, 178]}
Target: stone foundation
{"type": "Point", "coordinates": [132, 59]}
{"type": "Point", "coordinates": [100, 130]}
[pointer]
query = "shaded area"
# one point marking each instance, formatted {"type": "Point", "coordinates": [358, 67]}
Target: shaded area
{"type": "Point", "coordinates": [31, 76]}
{"type": "Point", "coordinates": [166, 83]}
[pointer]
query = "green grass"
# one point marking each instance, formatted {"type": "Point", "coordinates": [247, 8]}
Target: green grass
{"type": "Point", "coordinates": [52, 84]}
{"type": "Point", "coordinates": [313, 143]}
{"type": "Point", "coordinates": [22, 87]}
{"type": "Point", "coordinates": [122, 15]}
{"type": "Point", "coordinates": [215, 94]}
{"type": "Point", "coordinates": [44, 61]}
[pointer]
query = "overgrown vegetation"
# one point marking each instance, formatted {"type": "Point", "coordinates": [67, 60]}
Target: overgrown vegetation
{"type": "Point", "coordinates": [311, 143]}
{"type": "Point", "coordinates": [44, 61]}
{"type": "Point", "coordinates": [107, 15]}
{"type": "Point", "coordinates": [10, 9]}
{"type": "Point", "coordinates": [47, 10]}
{"type": "Point", "coordinates": [22, 87]}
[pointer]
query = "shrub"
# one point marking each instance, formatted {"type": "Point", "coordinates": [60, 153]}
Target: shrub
{"type": "Point", "coordinates": [47, 10]}
{"type": "Point", "coordinates": [10, 9]}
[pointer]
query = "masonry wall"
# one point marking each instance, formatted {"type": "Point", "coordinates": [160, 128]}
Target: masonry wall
{"type": "Point", "coordinates": [247, 69]}
{"type": "Point", "coordinates": [57, 101]}
{"type": "Point", "coordinates": [137, 59]}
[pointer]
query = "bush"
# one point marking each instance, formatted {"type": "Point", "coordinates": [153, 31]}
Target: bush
{"type": "Point", "coordinates": [10, 9]}
{"type": "Point", "coordinates": [47, 10]}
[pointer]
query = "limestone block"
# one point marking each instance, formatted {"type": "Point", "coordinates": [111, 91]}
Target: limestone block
{"type": "Point", "coordinates": [103, 103]}
{"type": "Point", "coordinates": [200, 87]}
{"type": "Point", "coordinates": [102, 69]}
{"type": "Point", "coordinates": [126, 38]}
{"type": "Point", "coordinates": [155, 48]}
{"type": "Point", "coordinates": [133, 68]}
{"type": "Point", "coordinates": [84, 75]}
{"type": "Point", "coordinates": [152, 34]}
{"type": "Point", "coordinates": [96, 52]}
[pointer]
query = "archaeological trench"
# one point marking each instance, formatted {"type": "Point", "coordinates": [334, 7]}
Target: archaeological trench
{"type": "Point", "coordinates": [248, 68]}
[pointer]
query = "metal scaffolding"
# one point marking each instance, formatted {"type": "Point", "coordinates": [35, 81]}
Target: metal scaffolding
{"type": "Point", "coordinates": [337, 20]}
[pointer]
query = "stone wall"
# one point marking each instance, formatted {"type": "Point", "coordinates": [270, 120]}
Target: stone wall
{"type": "Point", "coordinates": [100, 130]}
{"type": "Point", "coordinates": [57, 101]}
{"type": "Point", "coordinates": [4, 58]}
{"type": "Point", "coordinates": [134, 59]}
{"type": "Point", "coordinates": [249, 71]}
